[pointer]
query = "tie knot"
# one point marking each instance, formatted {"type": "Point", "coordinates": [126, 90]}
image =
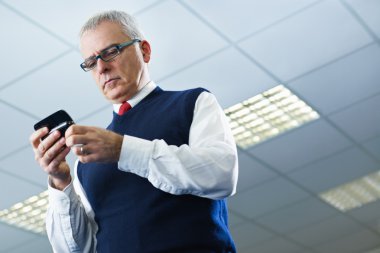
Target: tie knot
{"type": "Point", "coordinates": [125, 106]}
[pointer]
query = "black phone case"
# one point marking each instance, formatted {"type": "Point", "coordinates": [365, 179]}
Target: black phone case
{"type": "Point", "coordinates": [59, 120]}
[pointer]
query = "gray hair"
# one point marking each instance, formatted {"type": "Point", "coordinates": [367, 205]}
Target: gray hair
{"type": "Point", "coordinates": [127, 22]}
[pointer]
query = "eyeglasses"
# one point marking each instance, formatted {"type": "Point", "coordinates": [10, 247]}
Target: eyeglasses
{"type": "Point", "coordinates": [106, 55]}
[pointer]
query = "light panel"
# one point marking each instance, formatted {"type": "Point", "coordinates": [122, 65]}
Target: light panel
{"type": "Point", "coordinates": [266, 115]}
{"type": "Point", "coordinates": [29, 214]}
{"type": "Point", "coordinates": [354, 194]}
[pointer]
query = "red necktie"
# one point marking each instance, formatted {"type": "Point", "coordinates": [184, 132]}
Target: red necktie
{"type": "Point", "coordinates": [125, 106]}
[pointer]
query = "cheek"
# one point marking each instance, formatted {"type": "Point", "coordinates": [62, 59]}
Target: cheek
{"type": "Point", "coordinates": [95, 76]}
{"type": "Point", "coordinates": [134, 63]}
{"type": "Point", "coordinates": [134, 69]}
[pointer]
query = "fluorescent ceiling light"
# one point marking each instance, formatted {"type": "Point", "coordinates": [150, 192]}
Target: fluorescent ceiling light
{"type": "Point", "coordinates": [29, 214]}
{"type": "Point", "coordinates": [354, 194]}
{"type": "Point", "coordinates": [266, 115]}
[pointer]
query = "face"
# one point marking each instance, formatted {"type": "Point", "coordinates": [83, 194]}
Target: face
{"type": "Point", "coordinates": [122, 77]}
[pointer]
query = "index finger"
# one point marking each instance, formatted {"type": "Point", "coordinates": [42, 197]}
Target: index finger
{"type": "Point", "coordinates": [35, 137]}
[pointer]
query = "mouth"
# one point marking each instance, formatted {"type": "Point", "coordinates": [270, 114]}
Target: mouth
{"type": "Point", "coordinates": [110, 81]}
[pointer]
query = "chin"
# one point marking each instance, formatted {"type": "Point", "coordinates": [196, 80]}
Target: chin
{"type": "Point", "coordinates": [116, 96]}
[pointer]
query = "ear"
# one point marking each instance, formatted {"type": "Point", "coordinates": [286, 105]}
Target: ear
{"type": "Point", "coordinates": [145, 50]}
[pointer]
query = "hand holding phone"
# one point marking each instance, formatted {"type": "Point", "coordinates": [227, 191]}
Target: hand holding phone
{"type": "Point", "coordinates": [50, 153]}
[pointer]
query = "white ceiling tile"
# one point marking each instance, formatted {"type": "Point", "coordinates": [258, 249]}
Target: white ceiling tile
{"type": "Point", "coordinates": [349, 244]}
{"type": "Point", "coordinates": [255, 15]}
{"type": "Point", "coordinates": [373, 250]}
{"type": "Point", "coordinates": [40, 244]}
{"type": "Point", "coordinates": [16, 129]}
{"type": "Point", "coordinates": [300, 146]}
{"type": "Point", "coordinates": [251, 172]}
{"type": "Point", "coordinates": [307, 40]}
{"type": "Point", "coordinates": [266, 197]}
{"type": "Point", "coordinates": [369, 11]}
{"type": "Point", "coordinates": [324, 231]}
{"type": "Point", "coordinates": [11, 237]}
{"type": "Point", "coordinates": [335, 170]}
{"type": "Point", "coordinates": [25, 166]}
{"type": "Point", "coordinates": [375, 226]}
{"type": "Point", "coordinates": [245, 250]}
{"type": "Point", "coordinates": [220, 75]}
{"type": "Point", "coordinates": [373, 146]}
{"type": "Point", "coordinates": [357, 122]}
{"type": "Point", "coordinates": [356, 76]}
{"type": "Point", "coordinates": [298, 215]}
{"type": "Point", "coordinates": [304, 251]}
{"type": "Point", "coordinates": [60, 85]}
{"type": "Point", "coordinates": [369, 213]}
{"type": "Point", "coordinates": [177, 38]}
{"type": "Point", "coordinates": [22, 53]}
{"type": "Point", "coordinates": [248, 234]}
{"type": "Point", "coordinates": [65, 18]}
{"type": "Point", "coordinates": [234, 220]}
{"type": "Point", "coordinates": [15, 190]}
{"type": "Point", "coordinates": [101, 118]}
{"type": "Point", "coordinates": [277, 244]}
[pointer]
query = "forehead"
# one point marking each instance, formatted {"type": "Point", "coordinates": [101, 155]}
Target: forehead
{"type": "Point", "coordinates": [105, 34]}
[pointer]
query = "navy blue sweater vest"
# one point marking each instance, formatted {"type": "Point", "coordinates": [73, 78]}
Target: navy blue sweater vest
{"type": "Point", "coordinates": [135, 217]}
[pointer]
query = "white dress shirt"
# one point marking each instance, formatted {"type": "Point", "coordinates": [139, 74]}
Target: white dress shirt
{"type": "Point", "coordinates": [207, 167]}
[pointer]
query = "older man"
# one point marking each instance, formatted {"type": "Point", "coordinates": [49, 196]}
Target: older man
{"type": "Point", "coordinates": [156, 180]}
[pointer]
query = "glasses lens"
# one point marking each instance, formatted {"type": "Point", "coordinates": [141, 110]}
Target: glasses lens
{"type": "Point", "coordinates": [109, 53]}
{"type": "Point", "coordinates": [89, 64]}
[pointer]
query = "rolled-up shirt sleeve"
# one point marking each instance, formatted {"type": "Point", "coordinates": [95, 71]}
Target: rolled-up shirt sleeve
{"type": "Point", "coordinates": [207, 167]}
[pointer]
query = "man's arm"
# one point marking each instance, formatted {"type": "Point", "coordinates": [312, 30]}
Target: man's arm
{"type": "Point", "coordinates": [69, 227]}
{"type": "Point", "coordinates": [207, 167]}
{"type": "Point", "coordinates": [70, 220]}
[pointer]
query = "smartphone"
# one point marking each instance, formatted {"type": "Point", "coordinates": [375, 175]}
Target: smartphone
{"type": "Point", "coordinates": [59, 120]}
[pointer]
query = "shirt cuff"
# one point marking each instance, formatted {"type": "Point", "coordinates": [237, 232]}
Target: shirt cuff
{"type": "Point", "coordinates": [60, 200]}
{"type": "Point", "coordinates": [135, 155]}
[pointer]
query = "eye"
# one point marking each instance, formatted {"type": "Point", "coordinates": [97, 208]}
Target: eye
{"type": "Point", "coordinates": [90, 63]}
{"type": "Point", "coordinates": [109, 53]}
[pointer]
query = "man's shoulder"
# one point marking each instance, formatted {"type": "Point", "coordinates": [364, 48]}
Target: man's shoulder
{"type": "Point", "coordinates": [197, 90]}
{"type": "Point", "coordinates": [187, 96]}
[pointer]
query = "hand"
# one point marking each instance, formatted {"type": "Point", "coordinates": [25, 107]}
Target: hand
{"type": "Point", "coordinates": [50, 154]}
{"type": "Point", "coordinates": [93, 144]}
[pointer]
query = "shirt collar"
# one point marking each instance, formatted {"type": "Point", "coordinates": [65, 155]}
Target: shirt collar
{"type": "Point", "coordinates": [141, 94]}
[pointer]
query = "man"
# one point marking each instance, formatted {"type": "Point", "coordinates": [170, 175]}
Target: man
{"type": "Point", "coordinates": [156, 180]}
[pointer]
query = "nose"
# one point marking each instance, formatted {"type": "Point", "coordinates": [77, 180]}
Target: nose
{"type": "Point", "coordinates": [102, 66]}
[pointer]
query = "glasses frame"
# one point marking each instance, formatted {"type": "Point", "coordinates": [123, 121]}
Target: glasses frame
{"type": "Point", "coordinates": [118, 47]}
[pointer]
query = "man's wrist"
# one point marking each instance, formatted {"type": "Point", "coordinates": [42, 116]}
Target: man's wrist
{"type": "Point", "coordinates": [118, 147]}
{"type": "Point", "coordinates": [59, 183]}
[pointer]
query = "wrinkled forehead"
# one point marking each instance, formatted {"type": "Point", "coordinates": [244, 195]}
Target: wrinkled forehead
{"type": "Point", "coordinates": [105, 34]}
